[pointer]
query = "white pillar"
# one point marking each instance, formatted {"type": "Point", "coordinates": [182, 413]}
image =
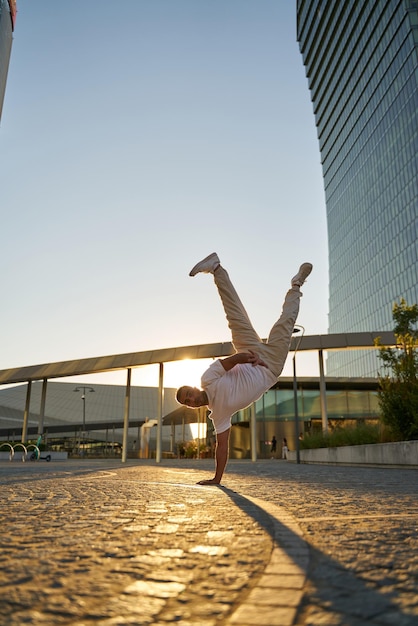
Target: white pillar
{"type": "Point", "coordinates": [172, 436]}
{"type": "Point", "coordinates": [126, 417]}
{"type": "Point", "coordinates": [323, 392]}
{"type": "Point", "coordinates": [26, 413]}
{"type": "Point", "coordinates": [160, 414]}
{"type": "Point", "coordinates": [253, 434]}
{"type": "Point", "coordinates": [42, 409]}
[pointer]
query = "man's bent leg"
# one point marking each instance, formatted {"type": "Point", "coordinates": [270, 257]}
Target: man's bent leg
{"type": "Point", "coordinates": [221, 458]}
{"type": "Point", "coordinates": [244, 336]}
{"type": "Point", "coordinates": [278, 343]}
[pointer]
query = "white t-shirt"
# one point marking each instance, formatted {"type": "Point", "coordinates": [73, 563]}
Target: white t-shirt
{"type": "Point", "coordinates": [228, 392]}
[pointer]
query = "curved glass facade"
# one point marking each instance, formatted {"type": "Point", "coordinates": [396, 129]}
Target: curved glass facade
{"type": "Point", "coordinates": [348, 402]}
{"type": "Point", "coordinates": [361, 61]}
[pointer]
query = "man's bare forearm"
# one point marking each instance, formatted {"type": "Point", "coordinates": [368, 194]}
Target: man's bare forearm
{"type": "Point", "coordinates": [241, 357]}
{"type": "Point", "coordinates": [221, 458]}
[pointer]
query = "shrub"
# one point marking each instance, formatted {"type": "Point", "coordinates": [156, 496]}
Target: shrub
{"type": "Point", "coordinates": [398, 384]}
{"type": "Point", "coordinates": [359, 435]}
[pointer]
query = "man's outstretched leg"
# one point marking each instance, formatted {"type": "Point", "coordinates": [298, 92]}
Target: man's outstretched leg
{"type": "Point", "coordinates": [244, 337]}
{"type": "Point", "coordinates": [277, 347]}
{"type": "Point", "coordinates": [221, 458]}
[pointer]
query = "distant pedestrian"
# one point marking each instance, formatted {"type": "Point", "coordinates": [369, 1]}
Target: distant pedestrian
{"type": "Point", "coordinates": [273, 444]}
{"type": "Point", "coordinates": [285, 448]}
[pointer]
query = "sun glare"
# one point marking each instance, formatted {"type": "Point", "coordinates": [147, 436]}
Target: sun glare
{"type": "Point", "coordinates": [186, 372]}
{"type": "Point", "coordinates": [176, 374]}
{"type": "Point", "coordinates": [198, 430]}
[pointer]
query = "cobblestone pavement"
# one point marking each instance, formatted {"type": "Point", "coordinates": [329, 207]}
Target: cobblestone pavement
{"type": "Point", "coordinates": [101, 543]}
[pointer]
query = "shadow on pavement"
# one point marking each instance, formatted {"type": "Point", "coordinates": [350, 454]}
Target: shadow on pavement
{"type": "Point", "coordinates": [331, 589]}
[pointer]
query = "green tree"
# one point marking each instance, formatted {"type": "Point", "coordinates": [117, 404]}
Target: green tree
{"type": "Point", "coordinates": [398, 384]}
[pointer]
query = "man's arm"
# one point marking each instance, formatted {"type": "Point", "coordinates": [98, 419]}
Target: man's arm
{"type": "Point", "coordinates": [241, 357]}
{"type": "Point", "coordinates": [221, 458]}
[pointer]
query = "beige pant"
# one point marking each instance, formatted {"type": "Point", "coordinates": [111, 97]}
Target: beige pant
{"type": "Point", "coordinates": [244, 338]}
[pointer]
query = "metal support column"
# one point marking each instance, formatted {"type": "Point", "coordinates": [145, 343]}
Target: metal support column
{"type": "Point", "coordinates": [253, 428]}
{"type": "Point", "coordinates": [172, 436]}
{"type": "Point", "coordinates": [160, 414]}
{"type": "Point", "coordinates": [323, 393]}
{"type": "Point", "coordinates": [296, 409]}
{"type": "Point", "coordinates": [126, 417]}
{"type": "Point", "coordinates": [42, 409]}
{"type": "Point", "coordinates": [297, 329]}
{"type": "Point", "coordinates": [26, 413]}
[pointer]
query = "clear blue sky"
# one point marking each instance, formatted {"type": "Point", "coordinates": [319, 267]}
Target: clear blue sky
{"type": "Point", "coordinates": [136, 138]}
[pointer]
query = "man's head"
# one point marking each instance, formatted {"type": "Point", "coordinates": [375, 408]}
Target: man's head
{"type": "Point", "coordinates": [191, 396]}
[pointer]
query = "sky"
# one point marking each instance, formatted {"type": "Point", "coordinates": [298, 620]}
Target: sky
{"type": "Point", "coordinates": [135, 139]}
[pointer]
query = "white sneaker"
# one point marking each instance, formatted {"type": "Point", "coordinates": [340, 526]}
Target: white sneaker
{"type": "Point", "coordinates": [303, 273]}
{"type": "Point", "coordinates": [207, 265]}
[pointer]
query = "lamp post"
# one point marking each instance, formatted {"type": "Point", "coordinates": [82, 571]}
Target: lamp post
{"type": "Point", "coordinates": [84, 389]}
{"type": "Point", "coordinates": [297, 329]}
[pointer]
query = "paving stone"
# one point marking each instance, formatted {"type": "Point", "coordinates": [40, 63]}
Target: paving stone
{"type": "Point", "coordinates": [260, 615]}
{"type": "Point", "coordinates": [98, 542]}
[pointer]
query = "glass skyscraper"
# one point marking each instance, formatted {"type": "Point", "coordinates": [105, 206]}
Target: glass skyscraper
{"type": "Point", "coordinates": [7, 17]}
{"type": "Point", "coordinates": [361, 60]}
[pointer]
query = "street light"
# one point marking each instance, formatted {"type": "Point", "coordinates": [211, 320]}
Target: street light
{"type": "Point", "coordinates": [297, 329]}
{"type": "Point", "coordinates": [83, 397]}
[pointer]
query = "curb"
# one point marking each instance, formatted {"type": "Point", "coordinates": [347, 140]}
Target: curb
{"type": "Point", "coordinates": [275, 599]}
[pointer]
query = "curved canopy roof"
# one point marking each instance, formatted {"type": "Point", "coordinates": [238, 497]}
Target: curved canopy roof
{"type": "Point", "coordinates": [100, 364]}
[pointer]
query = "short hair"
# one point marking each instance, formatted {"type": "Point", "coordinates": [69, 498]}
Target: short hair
{"type": "Point", "coordinates": [179, 392]}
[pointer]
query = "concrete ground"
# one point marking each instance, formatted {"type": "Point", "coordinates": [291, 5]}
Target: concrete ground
{"type": "Point", "coordinates": [104, 543]}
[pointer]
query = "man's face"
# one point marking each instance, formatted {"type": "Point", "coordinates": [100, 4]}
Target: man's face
{"type": "Point", "coordinates": [192, 397]}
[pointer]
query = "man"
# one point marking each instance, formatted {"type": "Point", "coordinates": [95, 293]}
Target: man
{"type": "Point", "coordinates": [237, 381]}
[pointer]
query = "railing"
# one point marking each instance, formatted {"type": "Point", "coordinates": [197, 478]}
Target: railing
{"type": "Point", "coordinates": [13, 450]}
